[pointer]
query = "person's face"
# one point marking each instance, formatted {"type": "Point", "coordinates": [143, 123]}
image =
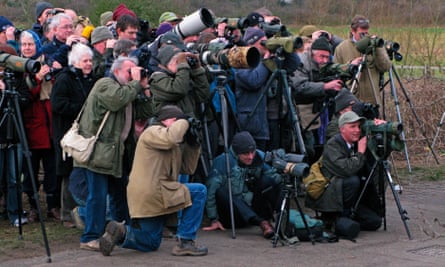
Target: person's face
{"type": "Point", "coordinates": [351, 132]}
{"type": "Point", "coordinates": [247, 158]}
{"type": "Point", "coordinates": [359, 32]}
{"type": "Point", "coordinates": [85, 64]}
{"type": "Point", "coordinates": [27, 47]}
{"type": "Point", "coordinates": [321, 57]}
{"type": "Point", "coordinates": [123, 75]}
{"type": "Point", "coordinates": [64, 29]}
{"type": "Point", "coordinates": [129, 33]}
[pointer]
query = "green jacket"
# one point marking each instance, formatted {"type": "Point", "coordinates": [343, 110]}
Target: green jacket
{"type": "Point", "coordinates": [108, 94]}
{"type": "Point", "coordinates": [338, 163]}
{"type": "Point", "coordinates": [186, 89]}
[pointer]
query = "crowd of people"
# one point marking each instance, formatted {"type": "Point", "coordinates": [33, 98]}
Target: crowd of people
{"type": "Point", "coordinates": [168, 149]}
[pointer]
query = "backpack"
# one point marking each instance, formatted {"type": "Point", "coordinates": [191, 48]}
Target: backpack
{"type": "Point", "coordinates": [315, 183]}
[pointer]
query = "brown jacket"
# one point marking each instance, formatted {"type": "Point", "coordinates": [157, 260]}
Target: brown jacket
{"type": "Point", "coordinates": [153, 187]}
{"type": "Point", "coordinates": [345, 52]}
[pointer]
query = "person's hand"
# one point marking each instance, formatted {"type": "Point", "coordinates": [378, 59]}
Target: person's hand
{"type": "Point", "coordinates": [2, 85]}
{"type": "Point", "coordinates": [136, 75]}
{"type": "Point", "coordinates": [45, 69]}
{"type": "Point", "coordinates": [356, 61]}
{"type": "Point", "coordinates": [10, 33]}
{"type": "Point", "coordinates": [110, 43]}
{"type": "Point", "coordinates": [216, 225]}
{"type": "Point", "coordinates": [379, 121]}
{"type": "Point", "coordinates": [336, 85]}
{"type": "Point", "coordinates": [361, 145]}
{"type": "Point", "coordinates": [72, 39]}
{"type": "Point", "coordinates": [317, 34]}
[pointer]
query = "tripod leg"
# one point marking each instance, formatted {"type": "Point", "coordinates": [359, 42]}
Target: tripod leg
{"type": "Point", "coordinates": [279, 221]}
{"type": "Point", "coordinates": [403, 213]}
{"type": "Point", "coordinates": [18, 123]}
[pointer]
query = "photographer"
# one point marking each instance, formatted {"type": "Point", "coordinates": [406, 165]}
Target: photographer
{"type": "Point", "coordinates": [310, 92]}
{"type": "Point", "coordinates": [376, 62]}
{"type": "Point", "coordinates": [155, 194]}
{"type": "Point", "coordinates": [256, 188]}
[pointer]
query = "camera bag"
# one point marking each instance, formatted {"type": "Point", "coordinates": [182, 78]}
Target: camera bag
{"type": "Point", "coordinates": [315, 183]}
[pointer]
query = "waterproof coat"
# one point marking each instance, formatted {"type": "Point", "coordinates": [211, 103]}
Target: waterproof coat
{"type": "Point", "coordinates": [108, 95]}
{"type": "Point", "coordinates": [153, 188]}
{"type": "Point", "coordinates": [380, 63]}
{"type": "Point", "coordinates": [338, 163]}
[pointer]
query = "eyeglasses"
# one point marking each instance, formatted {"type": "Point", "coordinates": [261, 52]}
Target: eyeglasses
{"type": "Point", "coordinates": [66, 27]}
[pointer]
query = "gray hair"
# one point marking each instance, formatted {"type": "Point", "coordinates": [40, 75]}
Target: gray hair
{"type": "Point", "coordinates": [78, 51]}
{"type": "Point", "coordinates": [118, 62]}
{"type": "Point", "coordinates": [55, 21]}
{"type": "Point", "coordinates": [123, 46]}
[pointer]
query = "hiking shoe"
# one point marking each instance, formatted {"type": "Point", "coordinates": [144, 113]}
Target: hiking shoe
{"type": "Point", "coordinates": [24, 220]}
{"type": "Point", "coordinates": [188, 248]}
{"type": "Point", "coordinates": [76, 218]}
{"type": "Point", "coordinates": [114, 233]}
{"type": "Point", "coordinates": [92, 245]}
{"type": "Point", "coordinates": [267, 229]}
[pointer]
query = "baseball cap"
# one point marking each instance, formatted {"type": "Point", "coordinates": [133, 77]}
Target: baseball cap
{"type": "Point", "coordinates": [349, 117]}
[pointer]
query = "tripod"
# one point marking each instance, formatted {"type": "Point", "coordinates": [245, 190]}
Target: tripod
{"type": "Point", "coordinates": [384, 175]}
{"type": "Point", "coordinates": [13, 118]}
{"type": "Point", "coordinates": [282, 225]}
{"type": "Point", "coordinates": [221, 82]}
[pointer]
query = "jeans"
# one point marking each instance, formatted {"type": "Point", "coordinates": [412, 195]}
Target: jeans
{"type": "Point", "coordinates": [148, 235]}
{"type": "Point", "coordinates": [99, 185]}
{"type": "Point", "coordinates": [10, 169]}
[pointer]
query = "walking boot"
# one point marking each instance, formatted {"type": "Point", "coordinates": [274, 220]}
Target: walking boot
{"type": "Point", "coordinates": [187, 247]}
{"type": "Point", "coordinates": [267, 229]}
{"type": "Point", "coordinates": [114, 233]}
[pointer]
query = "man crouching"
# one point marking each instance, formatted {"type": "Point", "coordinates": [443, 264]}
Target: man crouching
{"type": "Point", "coordinates": [154, 192]}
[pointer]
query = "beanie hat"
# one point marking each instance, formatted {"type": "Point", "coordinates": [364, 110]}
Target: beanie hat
{"type": "Point", "coordinates": [4, 23]}
{"type": "Point", "coordinates": [106, 17]}
{"type": "Point", "coordinates": [163, 28]}
{"type": "Point", "coordinates": [252, 35]}
{"type": "Point", "coordinates": [321, 44]}
{"type": "Point", "coordinates": [308, 30]}
{"type": "Point", "coordinates": [169, 111]}
{"type": "Point", "coordinates": [254, 19]}
{"type": "Point", "coordinates": [40, 7]}
{"type": "Point", "coordinates": [349, 117]}
{"type": "Point", "coordinates": [166, 53]}
{"type": "Point", "coordinates": [100, 33]}
{"type": "Point", "coordinates": [122, 10]}
{"type": "Point", "coordinates": [168, 16]}
{"type": "Point", "coordinates": [243, 142]}
{"type": "Point", "coordinates": [344, 99]}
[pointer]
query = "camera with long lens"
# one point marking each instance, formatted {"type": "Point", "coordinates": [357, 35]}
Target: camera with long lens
{"type": "Point", "coordinates": [236, 57]}
{"type": "Point", "coordinates": [383, 138]}
{"type": "Point", "coordinates": [335, 71]}
{"type": "Point", "coordinates": [194, 23]}
{"type": "Point", "coordinates": [19, 64]}
{"type": "Point", "coordinates": [393, 50]}
{"type": "Point", "coordinates": [292, 164]}
{"type": "Point", "coordinates": [367, 44]}
{"type": "Point", "coordinates": [289, 44]}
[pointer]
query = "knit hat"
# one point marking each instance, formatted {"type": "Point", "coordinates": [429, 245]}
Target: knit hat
{"type": "Point", "coordinates": [40, 7]}
{"type": "Point", "coordinates": [308, 30]}
{"type": "Point", "coordinates": [321, 44]}
{"type": "Point", "coordinates": [5, 23]}
{"type": "Point", "coordinates": [349, 117]}
{"type": "Point", "coordinates": [243, 142]}
{"type": "Point", "coordinates": [122, 10]}
{"type": "Point", "coordinates": [101, 33]}
{"type": "Point", "coordinates": [344, 99]}
{"type": "Point", "coordinates": [254, 19]}
{"type": "Point", "coordinates": [166, 53]}
{"type": "Point", "coordinates": [169, 111]}
{"type": "Point", "coordinates": [168, 17]}
{"type": "Point", "coordinates": [163, 28]}
{"type": "Point", "coordinates": [252, 35]}
{"type": "Point", "coordinates": [106, 17]}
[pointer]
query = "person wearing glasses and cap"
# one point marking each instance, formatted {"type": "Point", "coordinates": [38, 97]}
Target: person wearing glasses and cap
{"type": "Point", "coordinates": [377, 63]}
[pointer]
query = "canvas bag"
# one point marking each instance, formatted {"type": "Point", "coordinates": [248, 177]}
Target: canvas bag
{"type": "Point", "coordinates": [315, 183]}
{"type": "Point", "coordinates": [75, 145]}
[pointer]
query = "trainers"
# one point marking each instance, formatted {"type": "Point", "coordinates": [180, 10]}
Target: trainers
{"type": "Point", "coordinates": [76, 218]}
{"type": "Point", "coordinates": [188, 248]}
{"type": "Point", "coordinates": [114, 233]}
{"type": "Point", "coordinates": [267, 229]}
{"type": "Point", "coordinates": [92, 245]}
{"type": "Point", "coordinates": [24, 220]}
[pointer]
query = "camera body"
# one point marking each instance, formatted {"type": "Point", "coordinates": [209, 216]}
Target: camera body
{"type": "Point", "coordinates": [193, 135]}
